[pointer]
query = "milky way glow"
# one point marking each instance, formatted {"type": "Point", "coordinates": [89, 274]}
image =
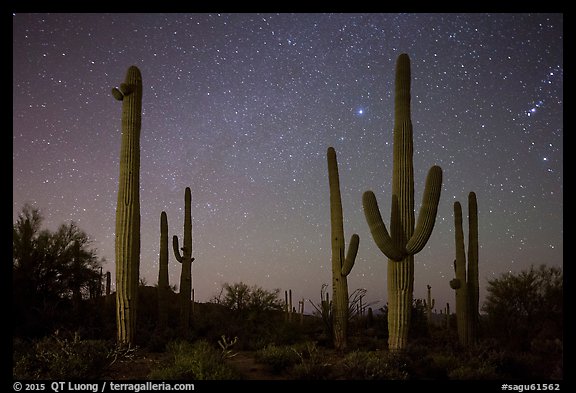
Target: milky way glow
{"type": "Point", "coordinates": [241, 108]}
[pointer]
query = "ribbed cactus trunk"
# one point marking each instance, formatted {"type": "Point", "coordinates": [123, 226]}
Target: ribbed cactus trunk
{"type": "Point", "coordinates": [163, 281]}
{"type": "Point", "coordinates": [466, 282]}
{"type": "Point", "coordinates": [404, 240]}
{"type": "Point", "coordinates": [341, 266]}
{"type": "Point", "coordinates": [186, 260]}
{"type": "Point", "coordinates": [127, 243]}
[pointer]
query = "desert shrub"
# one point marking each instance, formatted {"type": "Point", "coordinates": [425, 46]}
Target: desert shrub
{"type": "Point", "coordinates": [61, 358]}
{"type": "Point", "coordinates": [442, 363]}
{"type": "Point", "coordinates": [474, 370]}
{"type": "Point", "coordinates": [524, 306]}
{"type": "Point", "coordinates": [194, 361]}
{"type": "Point", "coordinates": [279, 358]}
{"type": "Point", "coordinates": [362, 365]}
{"type": "Point", "coordinates": [314, 364]}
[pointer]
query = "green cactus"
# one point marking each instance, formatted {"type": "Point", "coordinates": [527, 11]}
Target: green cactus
{"type": "Point", "coordinates": [404, 240]}
{"type": "Point", "coordinates": [341, 266]}
{"type": "Point", "coordinates": [186, 260]}
{"type": "Point", "coordinates": [466, 282]}
{"type": "Point", "coordinates": [127, 244]}
{"type": "Point", "coordinates": [429, 306]}
{"type": "Point", "coordinates": [288, 305]}
{"type": "Point", "coordinates": [163, 280]}
{"type": "Point", "coordinates": [108, 283]}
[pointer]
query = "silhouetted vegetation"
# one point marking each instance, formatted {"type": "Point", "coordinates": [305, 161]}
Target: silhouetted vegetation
{"type": "Point", "coordinates": [53, 273]}
{"type": "Point", "coordinates": [65, 327]}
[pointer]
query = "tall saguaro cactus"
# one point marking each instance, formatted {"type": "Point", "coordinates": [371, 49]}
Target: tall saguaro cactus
{"type": "Point", "coordinates": [466, 281]}
{"type": "Point", "coordinates": [186, 260]}
{"type": "Point", "coordinates": [127, 244]}
{"type": "Point", "coordinates": [404, 240]}
{"type": "Point", "coordinates": [341, 266]}
{"type": "Point", "coordinates": [163, 281]}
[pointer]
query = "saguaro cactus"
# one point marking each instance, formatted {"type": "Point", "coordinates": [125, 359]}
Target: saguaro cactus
{"type": "Point", "coordinates": [404, 240]}
{"type": "Point", "coordinates": [466, 281]}
{"type": "Point", "coordinates": [127, 244]}
{"type": "Point", "coordinates": [186, 260]}
{"type": "Point", "coordinates": [341, 266]}
{"type": "Point", "coordinates": [108, 282]}
{"type": "Point", "coordinates": [429, 306]}
{"type": "Point", "coordinates": [163, 281]}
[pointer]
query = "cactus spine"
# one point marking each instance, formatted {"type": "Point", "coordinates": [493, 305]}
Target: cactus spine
{"type": "Point", "coordinates": [429, 306]}
{"type": "Point", "coordinates": [404, 240]}
{"type": "Point", "coordinates": [466, 281]}
{"type": "Point", "coordinates": [163, 281]}
{"type": "Point", "coordinates": [186, 260]}
{"type": "Point", "coordinates": [127, 243]}
{"type": "Point", "coordinates": [341, 266]}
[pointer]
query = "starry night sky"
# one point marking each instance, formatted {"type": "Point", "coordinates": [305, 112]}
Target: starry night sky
{"type": "Point", "coordinates": [242, 108]}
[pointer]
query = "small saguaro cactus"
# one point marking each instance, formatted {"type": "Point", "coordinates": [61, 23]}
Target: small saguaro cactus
{"type": "Point", "coordinates": [404, 241]}
{"type": "Point", "coordinates": [466, 282]}
{"type": "Point", "coordinates": [108, 283]}
{"type": "Point", "coordinates": [288, 305]}
{"type": "Point", "coordinates": [341, 266]}
{"type": "Point", "coordinates": [127, 242]}
{"type": "Point", "coordinates": [163, 280]}
{"type": "Point", "coordinates": [186, 260]}
{"type": "Point", "coordinates": [429, 306]}
{"type": "Point", "coordinates": [301, 310]}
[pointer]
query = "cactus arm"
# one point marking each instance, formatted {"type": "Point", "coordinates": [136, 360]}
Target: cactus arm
{"type": "Point", "coordinates": [455, 283]}
{"type": "Point", "coordinates": [176, 248]}
{"type": "Point", "coordinates": [472, 279]}
{"type": "Point", "coordinates": [117, 94]}
{"type": "Point", "coordinates": [460, 262]}
{"type": "Point", "coordinates": [473, 243]}
{"type": "Point", "coordinates": [125, 89]}
{"type": "Point", "coordinates": [428, 210]}
{"type": "Point", "coordinates": [351, 256]}
{"type": "Point", "coordinates": [378, 228]}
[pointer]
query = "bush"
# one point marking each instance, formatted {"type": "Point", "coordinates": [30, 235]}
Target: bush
{"type": "Point", "coordinates": [361, 365]}
{"type": "Point", "coordinates": [313, 364]}
{"type": "Point", "coordinates": [197, 361]}
{"type": "Point", "coordinates": [279, 358]}
{"type": "Point", "coordinates": [60, 358]}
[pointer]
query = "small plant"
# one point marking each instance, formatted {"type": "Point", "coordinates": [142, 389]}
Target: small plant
{"type": "Point", "coordinates": [56, 357]}
{"type": "Point", "coordinates": [197, 361]}
{"type": "Point", "coordinates": [313, 364]}
{"type": "Point", "coordinates": [361, 365]}
{"type": "Point", "coordinates": [121, 352]}
{"type": "Point", "coordinates": [226, 344]}
{"type": "Point", "coordinates": [279, 358]}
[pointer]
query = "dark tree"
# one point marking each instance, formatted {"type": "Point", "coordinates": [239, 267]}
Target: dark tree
{"type": "Point", "coordinates": [51, 271]}
{"type": "Point", "coordinates": [525, 306]}
{"type": "Point", "coordinates": [242, 298]}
